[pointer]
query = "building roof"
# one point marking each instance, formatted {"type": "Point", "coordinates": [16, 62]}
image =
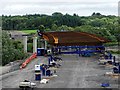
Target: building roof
{"type": "Point", "coordinates": [73, 38]}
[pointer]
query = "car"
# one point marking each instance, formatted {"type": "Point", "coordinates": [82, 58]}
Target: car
{"type": "Point", "coordinates": [27, 84]}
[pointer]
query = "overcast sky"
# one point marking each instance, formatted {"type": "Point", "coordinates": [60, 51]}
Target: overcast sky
{"type": "Point", "coordinates": [80, 7]}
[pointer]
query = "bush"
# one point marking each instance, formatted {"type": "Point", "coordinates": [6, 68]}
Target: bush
{"type": "Point", "coordinates": [115, 52]}
{"type": "Point", "coordinates": [18, 45]}
{"type": "Point", "coordinates": [11, 50]}
{"type": "Point", "coordinates": [30, 47]}
{"type": "Point", "coordinates": [111, 44]}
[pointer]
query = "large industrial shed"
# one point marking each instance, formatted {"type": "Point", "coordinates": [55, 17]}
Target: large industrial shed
{"type": "Point", "coordinates": [73, 39]}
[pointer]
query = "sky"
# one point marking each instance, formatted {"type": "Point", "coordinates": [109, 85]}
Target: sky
{"type": "Point", "coordinates": [80, 7]}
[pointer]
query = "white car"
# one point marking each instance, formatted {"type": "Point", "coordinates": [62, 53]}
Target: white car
{"type": "Point", "coordinates": [27, 84]}
{"type": "Point", "coordinates": [44, 81]}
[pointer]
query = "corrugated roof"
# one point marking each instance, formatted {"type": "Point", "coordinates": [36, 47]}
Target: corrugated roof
{"type": "Point", "coordinates": [73, 38]}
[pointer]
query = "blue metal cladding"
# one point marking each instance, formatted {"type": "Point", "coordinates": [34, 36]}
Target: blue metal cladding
{"type": "Point", "coordinates": [66, 47]}
{"type": "Point", "coordinates": [77, 52]}
{"type": "Point", "coordinates": [88, 52]}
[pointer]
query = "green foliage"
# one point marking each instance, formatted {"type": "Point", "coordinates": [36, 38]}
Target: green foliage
{"type": "Point", "coordinates": [97, 22]}
{"type": "Point", "coordinates": [11, 50]}
{"type": "Point", "coordinates": [30, 47]}
{"type": "Point", "coordinates": [111, 44]}
{"type": "Point", "coordinates": [96, 14]}
{"type": "Point", "coordinates": [41, 27]}
{"type": "Point", "coordinates": [54, 27]}
{"type": "Point", "coordinates": [115, 52]}
{"type": "Point", "coordinates": [65, 28]}
{"type": "Point", "coordinates": [18, 45]}
{"type": "Point", "coordinates": [105, 26]}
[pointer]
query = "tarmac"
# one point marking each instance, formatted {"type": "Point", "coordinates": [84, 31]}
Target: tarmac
{"type": "Point", "coordinates": [75, 72]}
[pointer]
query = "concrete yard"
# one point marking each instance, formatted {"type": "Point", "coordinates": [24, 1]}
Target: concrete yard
{"type": "Point", "coordinates": [75, 72]}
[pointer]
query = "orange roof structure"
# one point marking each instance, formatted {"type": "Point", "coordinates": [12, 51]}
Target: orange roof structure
{"type": "Point", "coordinates": [73, 38]}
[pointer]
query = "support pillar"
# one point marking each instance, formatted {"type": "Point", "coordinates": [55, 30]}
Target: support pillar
{"type": "Point", "coordinates": [45, 45]}
{"type": "Point", "coordinates": [25, 43]}
{"type": "Point", "coordinates": [34, 44]}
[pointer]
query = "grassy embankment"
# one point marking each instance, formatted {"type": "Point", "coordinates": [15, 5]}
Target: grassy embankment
{"type": "Point", "coordinates": [29, 31]}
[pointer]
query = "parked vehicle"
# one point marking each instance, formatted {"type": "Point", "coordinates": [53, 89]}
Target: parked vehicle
{"type": "Point", "coordinates": [27, 84]}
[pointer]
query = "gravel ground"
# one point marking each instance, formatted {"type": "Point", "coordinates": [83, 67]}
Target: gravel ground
{"type": "Point", "coordinates": [12, 79]}
{"type": "Point", "coordinates": [10, 67]}
{"type": "Point", "coordinates": [4, 69]}
{"type": "Point", "coordinates": [75, 72]}
{"type": "Point", "coordinates": [80, 72]}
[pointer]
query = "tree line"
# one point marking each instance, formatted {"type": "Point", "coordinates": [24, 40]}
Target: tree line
{"type": "Point", "coordinates": [107, 26]}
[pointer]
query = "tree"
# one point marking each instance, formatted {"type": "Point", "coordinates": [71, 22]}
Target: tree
{"type": "Point", "coordinates": [93, 14]}
{"type": "Point", "coordinates": [54, 27]}
{"type": "Point", "coordinates": [57, 14]}
{"type": "Point", "coordinates": [11, 51]}
{"type": "Point", "coordinates": [41, 28]}
{"type": "Point", "coordinates": [96, 14]}
{"type": "Point", "coordinates": [97, 22]}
